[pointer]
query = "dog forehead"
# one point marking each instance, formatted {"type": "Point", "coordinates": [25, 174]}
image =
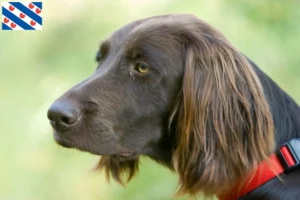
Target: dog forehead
{"type": "Point", "coordinates": [164, 21]}
{"type": "Point", "coordinates": [150, 27]}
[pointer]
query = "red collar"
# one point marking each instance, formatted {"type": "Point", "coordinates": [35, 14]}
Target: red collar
{"type": "Point", "coordinates": [286, 159]}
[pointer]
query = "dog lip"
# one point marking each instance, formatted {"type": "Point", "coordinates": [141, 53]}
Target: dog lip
{"type": "Point", "coordinates": [126, 155]}
{"type": "Point", "coordinates": [62, 141]}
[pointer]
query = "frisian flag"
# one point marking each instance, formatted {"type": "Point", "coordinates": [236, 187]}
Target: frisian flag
{"type": "Point", "coordinates": [22, 16]}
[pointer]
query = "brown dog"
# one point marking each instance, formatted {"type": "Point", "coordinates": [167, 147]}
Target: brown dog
{"type": "Point", "coordinates": [174, 89]}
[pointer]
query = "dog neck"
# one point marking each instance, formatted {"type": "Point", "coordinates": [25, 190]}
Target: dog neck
{"type": "Point", "coordinates": [286, 120]}
{"type": "Point", "coordinates": [285, 160]}
{"type": "Point", "coordinates": [286, 115]}
{"type": "Point", "coordinates": [286, 112]}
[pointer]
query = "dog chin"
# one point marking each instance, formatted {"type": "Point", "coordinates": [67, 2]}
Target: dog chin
{"type": "Point", "coordinates": [126, 156]}
{"type": "Point", "coordinates": [62, 141]}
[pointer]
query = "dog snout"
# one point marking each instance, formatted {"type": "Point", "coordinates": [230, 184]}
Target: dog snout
{"type": "Point", "coordinates": [63, 114]}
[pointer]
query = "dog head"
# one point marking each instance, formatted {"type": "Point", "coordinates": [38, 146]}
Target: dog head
{"type": "Point", "coordinates": [173, 88]}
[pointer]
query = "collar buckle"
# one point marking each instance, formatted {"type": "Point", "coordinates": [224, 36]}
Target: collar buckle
{"type": "Point", "coordinates": [289, 155]}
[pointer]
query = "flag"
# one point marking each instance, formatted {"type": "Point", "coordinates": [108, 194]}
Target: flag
{"type": "Point", "coordinates": [22, 16]}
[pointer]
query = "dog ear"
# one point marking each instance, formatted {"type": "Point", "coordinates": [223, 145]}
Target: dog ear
{"type": "Point", "coordinates": [116, 168]}
{"type": "Point", "coordinates": [224, 124]}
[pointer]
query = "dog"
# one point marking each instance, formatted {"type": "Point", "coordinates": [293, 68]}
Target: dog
{"type": "Point", "coordinates": [173, 88]}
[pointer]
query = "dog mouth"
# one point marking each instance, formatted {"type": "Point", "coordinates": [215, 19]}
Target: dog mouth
{"type": "Point", "coordinates": [62, 141]}
{"type": "Point", "coordinates": [122, 155]}
{"type": "Point", "coordinates": [125, 156]}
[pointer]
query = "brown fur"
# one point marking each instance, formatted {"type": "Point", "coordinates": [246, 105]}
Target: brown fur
{"type": "Point", "coordinates": [224, 118]}
{"type": "Point", "coordinates": [203, 110]}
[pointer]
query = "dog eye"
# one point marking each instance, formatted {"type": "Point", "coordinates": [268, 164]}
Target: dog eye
{"type": "Point", "coordinates": [98, 56]}
{"type": "Point", "coordinates": [142, 68]}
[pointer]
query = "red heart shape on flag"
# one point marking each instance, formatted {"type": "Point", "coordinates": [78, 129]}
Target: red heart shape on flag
{"type": "Point", "coordinates": [31, 6]}
{"type": "Point", "coordinates": [11, 8]}
{"type": "Point", "coordinates": [32, 23]}
{"type": "Point", "coordinates": [38, 11]}
{"type": "Point", "coordinates": [22, 15]}
{"type": "Point", "coordinates": [13, 25]}
{"type": "Point", "coordinates": [6, 20]}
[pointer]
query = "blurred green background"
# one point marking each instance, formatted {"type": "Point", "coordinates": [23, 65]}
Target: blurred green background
{"type": "Point", "coordinates": [37, 67]}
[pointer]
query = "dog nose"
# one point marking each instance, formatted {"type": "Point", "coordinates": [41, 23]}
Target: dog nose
{"type": "Point", "coordinates": [63, 114]}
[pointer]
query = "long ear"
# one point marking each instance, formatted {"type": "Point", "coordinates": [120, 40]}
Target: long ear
{"type": "Point", "coordinates": [116, 168]}
{"type": "Point", "coordinates": [225, 127]}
